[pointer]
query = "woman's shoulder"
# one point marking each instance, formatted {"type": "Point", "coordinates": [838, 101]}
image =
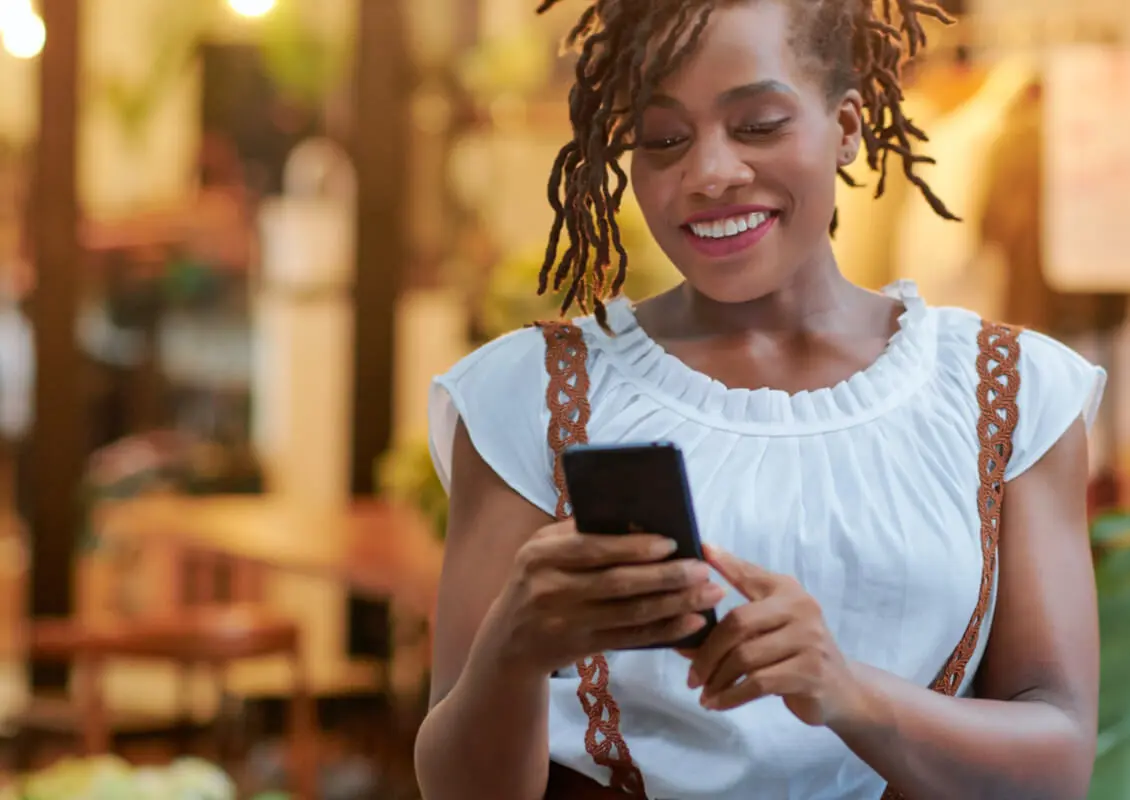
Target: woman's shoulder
{"type": "Point", "coordinates": [498, 393]}
{"type": "Point", "coordinates": [521, 349]}
{"type": "Point", "coordinates": [1054, 384]}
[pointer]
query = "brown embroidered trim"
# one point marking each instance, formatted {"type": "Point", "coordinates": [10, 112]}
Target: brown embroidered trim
{"type": "Point", "coordinates": [997, 388]}
{"type": "Point", "coordinates": [567, 398]}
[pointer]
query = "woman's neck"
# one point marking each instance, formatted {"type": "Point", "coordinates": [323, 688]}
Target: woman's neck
{"type": "Point", "coordinates": [818, 299]}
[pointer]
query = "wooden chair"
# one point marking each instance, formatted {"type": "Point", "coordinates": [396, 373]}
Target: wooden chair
{"type": "Point", "coordinates": [209, 637]}
{"type": "Point", "coordinates": [195, 610]}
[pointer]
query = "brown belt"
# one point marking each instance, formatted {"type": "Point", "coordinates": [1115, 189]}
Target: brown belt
{"type": "Point", "coordinates": [565, 784]}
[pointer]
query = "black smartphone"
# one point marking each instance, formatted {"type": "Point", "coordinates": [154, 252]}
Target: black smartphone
{"type": "Point", "coordinates": [618, 489]}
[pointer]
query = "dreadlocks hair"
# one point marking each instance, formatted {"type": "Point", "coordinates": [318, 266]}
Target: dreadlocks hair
{"type": "Point", "coordinates": [859, 44]}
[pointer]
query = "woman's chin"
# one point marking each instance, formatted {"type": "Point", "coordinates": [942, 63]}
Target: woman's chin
{"type": "Point", "coordinates": [733, 280]}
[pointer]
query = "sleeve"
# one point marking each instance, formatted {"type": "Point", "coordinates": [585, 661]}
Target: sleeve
{"type": "Point", "coordinates": [499, 393]}
{"type": "Point", "coordinates": [1057, 387]}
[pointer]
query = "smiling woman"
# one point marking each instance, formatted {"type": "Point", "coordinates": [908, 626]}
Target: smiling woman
{"type": "Point", "coordinates": [629, 49]}
{"type": "Point", "coordinates": [883, 487]}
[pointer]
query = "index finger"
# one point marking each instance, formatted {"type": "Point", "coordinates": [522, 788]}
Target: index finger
{"type": "Point", "coordinates": [751, 580]}
{"type": "Point", "coordinates": [590, 551]}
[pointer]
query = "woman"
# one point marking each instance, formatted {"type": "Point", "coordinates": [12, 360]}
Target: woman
{"type": "Point", "coordinates": [847, 453]}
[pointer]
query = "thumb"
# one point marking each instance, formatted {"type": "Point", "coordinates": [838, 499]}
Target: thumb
{"type": "Point", "coordinates": [751, 580]}
{"type": "Point", "coordinates": [558, 529]}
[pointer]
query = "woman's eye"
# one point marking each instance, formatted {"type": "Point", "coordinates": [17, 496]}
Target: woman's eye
{"type": "Point", "coordinates": [662, 142]}
{"type": "Point", "coordinates": [762, 128]}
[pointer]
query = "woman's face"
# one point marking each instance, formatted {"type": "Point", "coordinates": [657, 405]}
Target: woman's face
{"type": "Point", "coordinates": [735, 168]}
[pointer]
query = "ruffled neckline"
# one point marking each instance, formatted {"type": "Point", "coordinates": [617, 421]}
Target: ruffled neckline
{"type": "Point", "coordinates": [902, 368]}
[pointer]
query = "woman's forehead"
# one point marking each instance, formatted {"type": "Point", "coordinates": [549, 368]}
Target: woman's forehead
{"type": "Point", "coordinates": [744, 43]}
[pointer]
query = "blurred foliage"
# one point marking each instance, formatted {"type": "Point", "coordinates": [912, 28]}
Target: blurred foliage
{"type": "Point", "coordinates": [512, 301]}
{"type": "Point", "coordinates": [519, 64]}
{"type": "Point", "coordinates": [405, 475]}
{"type": "Point", "coordinates": [305, 64]}
{"type": "Point", "coordinates": [111, 778]}
{"type": "Point", "coordinates": [177, 33]}
{"type": "Point", "coordinates": [1110, 534]}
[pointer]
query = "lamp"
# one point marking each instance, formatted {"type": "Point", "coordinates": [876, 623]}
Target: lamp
{"type": "Point", "coordinates": [252, 8]}
{"type": "Point", "coordinates": [21, 29]}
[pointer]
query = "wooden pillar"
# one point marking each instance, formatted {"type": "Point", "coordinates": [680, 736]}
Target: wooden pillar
{"type": "Point", "coordinates": [55, 454]}
{"type": "Point", "coordinates": [380, 136]}
{"type": "Point", "coordinates": [381, 141]}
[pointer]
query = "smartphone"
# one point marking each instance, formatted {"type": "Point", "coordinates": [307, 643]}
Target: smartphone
{"type": "Point", "coordinates": [629, 488]}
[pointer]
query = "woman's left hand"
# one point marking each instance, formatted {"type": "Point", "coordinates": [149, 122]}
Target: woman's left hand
{"type": "Point", "coordinates": [776, 644]}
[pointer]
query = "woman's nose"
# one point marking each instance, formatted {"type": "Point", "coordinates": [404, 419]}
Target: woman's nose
{"type": "Point", "coordinates": [714, 166]}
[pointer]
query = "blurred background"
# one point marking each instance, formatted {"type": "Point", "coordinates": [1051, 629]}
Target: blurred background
{"type": "Point", "coordinates": [238, 237]}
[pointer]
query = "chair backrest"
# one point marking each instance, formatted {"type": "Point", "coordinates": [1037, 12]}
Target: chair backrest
{"type": "Point", "coordinates": [160, 578]}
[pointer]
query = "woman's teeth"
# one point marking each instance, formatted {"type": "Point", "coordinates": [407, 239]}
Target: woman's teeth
{"type": "Point", "coordinates": [724, 228]}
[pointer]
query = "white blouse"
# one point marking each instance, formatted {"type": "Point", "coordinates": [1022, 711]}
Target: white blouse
{"type": "Point", "coordinates": [865, 492]}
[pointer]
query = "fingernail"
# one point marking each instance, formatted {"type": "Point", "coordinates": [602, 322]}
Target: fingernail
{"type": "Point", "coordinates": [696, 571]}
{"type": "Point", "coordinates": [713, 594]}
{"type": "Point", "coordinates": [709, 702]}
{"type": "Point", "coordinates": [665, 548]}
{"type": "Point", "coordinates": [692, 680]}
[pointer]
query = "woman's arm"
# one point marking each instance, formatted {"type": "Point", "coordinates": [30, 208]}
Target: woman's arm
{"type": "Point", "coordinates": [486, 733]}
{"type": "Point", "coordinates": [1031, 731]}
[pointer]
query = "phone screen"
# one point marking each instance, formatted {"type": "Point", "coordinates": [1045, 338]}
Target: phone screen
{"type": "Point", "coordinates": [617, 490]}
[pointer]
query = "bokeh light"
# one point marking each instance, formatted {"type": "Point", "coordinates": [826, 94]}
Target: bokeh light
{"type": "Point", "coordinates": [251, 8]}
{"type": "Point", "coordinates": [21, 30]}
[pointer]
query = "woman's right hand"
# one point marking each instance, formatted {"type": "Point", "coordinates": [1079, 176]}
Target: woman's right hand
{"type": "Point", "coordinates": [571, 595]}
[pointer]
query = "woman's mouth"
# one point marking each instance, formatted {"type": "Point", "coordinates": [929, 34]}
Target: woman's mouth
{"type": "Point", "coordinates": [724, 237]}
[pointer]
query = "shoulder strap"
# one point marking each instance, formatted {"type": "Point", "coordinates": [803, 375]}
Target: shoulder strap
{"type": "Point", "coordinates": [998, 383]}
{"type": "Point", "coordinates": [566, 396]}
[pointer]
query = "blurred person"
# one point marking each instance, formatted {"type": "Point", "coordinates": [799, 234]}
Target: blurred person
{"type": "Point", "coordinates": [17, 375]}
{"type": "Point", "coordinates": [17, 282]}
{"type": "Point", "coordinates": [17, 353]}
{"type": "Point", "coordinates": [855, 459]}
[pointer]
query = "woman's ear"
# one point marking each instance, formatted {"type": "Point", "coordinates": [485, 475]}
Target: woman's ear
{"type": "Point", "coordinates": [850, 118]}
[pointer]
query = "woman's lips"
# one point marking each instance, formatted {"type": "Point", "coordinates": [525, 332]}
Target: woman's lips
{"type": "Point", "coordinates": [714, 246]}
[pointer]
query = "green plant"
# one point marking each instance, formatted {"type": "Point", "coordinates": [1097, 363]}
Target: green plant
{"type": "Point", "coordinates": [1110, 536]}
{"type": "Point", "coordinates": [177, 30]}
